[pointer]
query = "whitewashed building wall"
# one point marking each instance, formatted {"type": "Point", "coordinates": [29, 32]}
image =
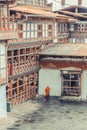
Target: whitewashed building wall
{"type": "Point", "coordinates": [52, 79]}
{"type": "Point", "coordinates": [3, 79]}
{"type": "Point", "coordinates": [2, 63]}
{"type": "Point", "coordinates": [84, 86]}
{"type": "Point", "coordinates": [3, 108]}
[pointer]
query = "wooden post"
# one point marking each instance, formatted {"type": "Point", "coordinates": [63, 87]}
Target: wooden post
{"type": "Point", "coordinates": [17, 89]}
{"type": "Point", "coordinates": [5, 23]}
{"type": "Point", "coordinates": [19, 60]}
{"type": "Point", "coordinates": [35, 56]}
{"type": "Point", "coordinates": [23, 94]}
{"type": "Point", "coordinates": [8, 16]}
{"type": "Point", "coordinates": [13, 22]}
{"type": "Point", "coordinates": [10, 90]}
{"type": "Point", "coordinates": [0, 17]}
{"type": "Point", "coordinates": [34, 84]}
{"type": "Point", "coordinates": [29, 85]}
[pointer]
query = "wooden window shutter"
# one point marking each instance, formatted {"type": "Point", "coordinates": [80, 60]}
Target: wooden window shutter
{"type": "Point", "coordinates": [79, 2]}
{"type": "Point", "coordinates": [62, 2]}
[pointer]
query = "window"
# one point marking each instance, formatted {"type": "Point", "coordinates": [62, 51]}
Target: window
{"type": "Point", "coordinates": [71, 83]}
{"type": "Point", "coordinates": [71, 80]}
{"type": "Point", "coordinates": [31, 30]}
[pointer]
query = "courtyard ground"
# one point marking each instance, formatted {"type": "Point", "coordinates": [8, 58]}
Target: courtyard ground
{"type": "Point", "coordinates": [39, 114]}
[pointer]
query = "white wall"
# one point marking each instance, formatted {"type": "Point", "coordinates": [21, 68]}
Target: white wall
{"type": "Point", "coordinates": [84, 86]}
{"type": "Point", "coordinates": [57, 3]}
{"type": "Point", "coordinates": [2, 62]}
{"type": "Point", "coordinates": [50, 78]}
{"type": "Point", "coordinates": [85, 40]}
{"type": "Point", "coordinates": [3, 110]}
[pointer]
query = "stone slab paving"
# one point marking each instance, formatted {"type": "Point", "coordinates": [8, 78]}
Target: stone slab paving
{"type": "Point", "coordinates": [54, 115]}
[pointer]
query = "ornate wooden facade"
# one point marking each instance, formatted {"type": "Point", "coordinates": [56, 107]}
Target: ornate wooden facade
{"type": "Point", "coordinates": [77, 29]}
{"type": "Point", "coordinates": [37, 28]}
{"type": "Point", "coordinates": [27, 30]}
{"type": "Point", "coordinates": [78, 32]}
{"type": "Point", "coordinates": [6, 33]}
{"type": "Point", "coordinates": [35, 32]}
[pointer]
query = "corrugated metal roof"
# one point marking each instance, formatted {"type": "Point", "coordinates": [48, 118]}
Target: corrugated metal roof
{"type": "Point", "coordinates": [66, 50]}
{"type": "Point", "coordinates": [73, 7]}
{"type": "Point", "coordinates": [38, 7]}
{"type": "Point", "coordinates": [73, 14]}
{"type": "Point", "coordinates": [37, 11]}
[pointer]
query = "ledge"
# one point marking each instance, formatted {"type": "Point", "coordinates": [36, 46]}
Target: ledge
{"type": "Point", "coordinates": [7, 35]}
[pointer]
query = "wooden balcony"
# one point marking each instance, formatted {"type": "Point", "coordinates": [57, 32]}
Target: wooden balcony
{"type": "Point", "coordinates": [63, 35]}
{"type": "Point", "coordinates": [78, 33]}
{"type": "Point", "coordinates": [7, 35]}
{"type": "Point", "coordinates": [34, 39]}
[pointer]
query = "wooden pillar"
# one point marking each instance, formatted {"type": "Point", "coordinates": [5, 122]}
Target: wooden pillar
{"type": "Point", "coordinates": [35, 55]}
{"type": "Point", "coordinates": [60, 27]}
{"type": "Point", "coordinates": [0, 17]}
{"type": "Point", "coordinates": [23, 94]}
{"type": "Point", "coordinates": [13, 22]}
{"type": "Point", "coordinates": [5, 23]}
{"type": "Point", "coordinates": [10, 90]}
{"type": "Point", "coordinates": [80, 84]}
{"type": "Point", "coordinates": [8, 16]}
{"type": "Point", "coordinates": [29, 86]}
{"type": "Point", "coordinates": [30, 58]}
{"type": "Point", "coordinates": [18, 54]}
{"type": "Point", "coordinates": [17, 97]}
{"type": "Point", "coordinates": [23, 52]}
{"type": "Point", "coordinates": [17, 86]}
{"type": "Point", "coordinates": [34, 84]}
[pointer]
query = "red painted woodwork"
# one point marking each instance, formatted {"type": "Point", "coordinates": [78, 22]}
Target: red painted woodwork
{"type": "Point", "coordinates": [62, 64]}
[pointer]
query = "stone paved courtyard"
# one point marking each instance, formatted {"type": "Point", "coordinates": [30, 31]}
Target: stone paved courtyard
{"type": "Point", "coordinates": [53, 115]}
